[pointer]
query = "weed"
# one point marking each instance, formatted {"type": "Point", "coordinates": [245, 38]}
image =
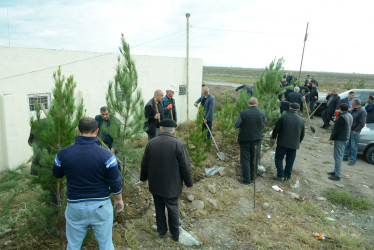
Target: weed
{"type": "Point", "coordinates": [346, 199]}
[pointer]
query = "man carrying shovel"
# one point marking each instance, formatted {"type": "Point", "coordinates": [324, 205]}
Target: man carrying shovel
{"type": "Point", "coordinates": [207, 101]}
{"type": "Point", "coordinates": [250, 123]}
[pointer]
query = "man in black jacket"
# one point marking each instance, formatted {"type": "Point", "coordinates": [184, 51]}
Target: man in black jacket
{"type": "Point", "coordinates": [166, 165]}
{"type": "Point", "coordinates": [289, 132]}
{"type": "Point", "coordinates": [339, 138]}
{"type": "Point", "coordinates": [296, 97]}
{"type": "Point", "coordinates": [359, 118]}
{"type": "Point", "coordinates": [154, 114]}
{"type": "Point", "coordinates": [104, 134]}
{"type": "Point", "coordinates": [251, 123]}
{"type": "Point", "coordinates": [313, 98]}
{"type": "Point", "coordinates": [369, 107]}
{"type": "Point", "coordinates": [332, 105]}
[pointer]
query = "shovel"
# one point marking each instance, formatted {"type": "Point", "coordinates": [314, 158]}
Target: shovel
{"type": "Point", "coordinates": [307, 111]}
{"type": "Point", "coordinates": [220, 155]}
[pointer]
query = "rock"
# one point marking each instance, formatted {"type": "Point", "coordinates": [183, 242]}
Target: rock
{"type": "Point", "coordinates": [321, 198]}
{"type": "Point", "coordinates": [154, 228]}
{"type": "Point", "coordinates": [372, 217]}
{"type": "Point", "coordinates": [191, 197]}
{"type": "Point", "coordinates": [192, 146]}
{"type": "Point", "coordinates": [213, 202]}
{"type": "Point", "coordinates": [330, 219]}
{"type": "Point", "coordinates": [233, 164]}
{"type": "Point", "coordinates": [198, 205]}
{"type": "Point", "coordinates": [222, 172]}
{"type": "Point", "coordinates": [212, 189]}
{"type": "Point", "coordinates": [265, 205]}
{"type": "Point", "coordinates": [5, 231]}
{"type": "Point", "coordinates": [295, 196]}
{"type": "Point", "coordinates": [6, 243]}
{"type": "Point", "coordinates": [339, 185]}
{"type": "Point", "coordinates": [261, 169]}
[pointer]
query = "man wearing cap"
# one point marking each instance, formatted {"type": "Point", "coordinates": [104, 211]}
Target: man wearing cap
{"type": "Point", "coordinates": [339, 138]}
{"type": "Point", "coordinates": [289, 131]}
{"type": "Point", "coordinates": [166, 165]}
{"type": "Point", "coordinates": [168, 102]}
{"type": "Point", "coordinates": [92, 175]}
{"type": "Point", "coordinates": [154, 114]}
{"type": "Point", "coordinates": [207, 101]}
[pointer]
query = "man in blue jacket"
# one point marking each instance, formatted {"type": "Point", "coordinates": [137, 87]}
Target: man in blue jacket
{"type": "Point", "coordinates": [92, 175]}
{"type": "Point", "coordinates": [207, 101]}
{"type": "Point", "coordinates": [168, 102]}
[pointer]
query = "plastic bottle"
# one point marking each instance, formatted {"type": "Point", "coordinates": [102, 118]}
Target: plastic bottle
{"type": "Point", "coordinates": [278, 189]}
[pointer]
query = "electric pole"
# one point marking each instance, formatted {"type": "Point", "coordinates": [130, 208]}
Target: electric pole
{"type": "Point", "coordinates": [187, 60]}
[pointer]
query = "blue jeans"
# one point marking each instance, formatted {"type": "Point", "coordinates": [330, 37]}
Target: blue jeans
{"type": "Point", "coordinates": [290, 159]}
{"type": "Point", "coordinates": [339, 147]}
{"type": "Point", "coordinates": [98, 214]}
{"type": "Point", "coordinates": [352, 146]}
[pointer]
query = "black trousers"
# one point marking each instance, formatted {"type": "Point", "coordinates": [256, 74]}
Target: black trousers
{"type": "Point", "coordinates": [173, 215]}
{"type": "Point", "coordinates": [249, 152]}
{"type": "Point", "coordinates": [327, 116]}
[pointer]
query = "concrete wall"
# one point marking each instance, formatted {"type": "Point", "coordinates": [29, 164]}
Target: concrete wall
{"type": "Point", "coordinates": [92, 77]}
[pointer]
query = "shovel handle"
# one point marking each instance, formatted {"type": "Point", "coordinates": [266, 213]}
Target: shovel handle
{"type": "Point", "coordinates": [316, 108]}
{"type": "Point", "coordinates": [210, 132]}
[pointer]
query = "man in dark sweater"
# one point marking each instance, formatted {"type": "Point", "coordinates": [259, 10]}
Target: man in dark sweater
{"type": "Point", "coordinates": [313, 98]}
{"type": "Point", "coordinates": [251, 123]}
{"type": "Point", "coordinates": [166, 165]}
{"type": "Point", "coordinates": [208, 101]}
{"type": "Point", "coordinates": [332, 105]}
{"type": "Point", "coordinates": [289, 131]}
{"type": "Point", "coordinates": [92, 175]}
{"type": "Point", "coordinates": [249, 88]}
{"type": "Point", "coordinates": [339, 138]}
{"type": "Point", "coordinates": [369, 107]}
{"type": "Point", "coordinates": [359, 118]}
{"type": "Point", "coordinates": [154, 114]}
{"type": "Point", "coordinates": [296, 97]}
{"type": "Point", "coordinates": [105, 119]}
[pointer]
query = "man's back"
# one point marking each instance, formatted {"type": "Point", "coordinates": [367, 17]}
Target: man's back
{"type": "Point", "coordinates": [290, 130]}
{"type": "Point", "coordinates": [166, 164]}
{"type": "Point", "coordinates": [90, 170]}
{"type": "Point", "coordinates": [294, 97]}
{"type": "Point", "coordinates": [253, 120]}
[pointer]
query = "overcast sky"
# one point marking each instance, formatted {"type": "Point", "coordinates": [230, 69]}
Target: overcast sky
{"type": "Point", "coordinates": [237, 33]}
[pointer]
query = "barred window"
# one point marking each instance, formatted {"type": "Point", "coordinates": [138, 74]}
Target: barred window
{"type": "Point", "coordinates": [44, 98]}
{"type": "Point", "coordinates": [182, 89]}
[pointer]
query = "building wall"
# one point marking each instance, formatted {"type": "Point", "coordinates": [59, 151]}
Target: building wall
{"type": "Point", "coordinates": [92, 77]}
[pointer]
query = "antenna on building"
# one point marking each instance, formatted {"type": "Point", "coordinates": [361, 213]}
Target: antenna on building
{"type": "Point", "coordinates": [187, 59]}
{"type": "Point", "coordinates": [7, 16]}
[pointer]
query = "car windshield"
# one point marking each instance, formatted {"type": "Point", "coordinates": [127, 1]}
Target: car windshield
{"type": "Point", "coordinates": [344, 94]}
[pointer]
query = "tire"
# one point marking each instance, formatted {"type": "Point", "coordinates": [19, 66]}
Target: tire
{"type": "Point", "coordinates": [369, 155]}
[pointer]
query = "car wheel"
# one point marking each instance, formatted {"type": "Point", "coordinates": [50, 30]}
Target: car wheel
{"type": "Point", "coordinates": [370, 155]}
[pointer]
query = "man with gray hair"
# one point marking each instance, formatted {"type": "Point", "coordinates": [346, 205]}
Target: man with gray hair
{"type": "Point", "coordinates": [359, 118]}
{"type": "Point", "coordinates": [296, 97]}
{"type": "Point", "coordinates": [289, 131]}
{"type": "Point", "coordinates": [207, 101]}
{"type": "Point", "coordinates": [166, 165]}
{"type": "Point", "coordinates": [250, 123]}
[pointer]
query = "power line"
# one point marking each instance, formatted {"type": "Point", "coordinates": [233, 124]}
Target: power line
{"type": "Point", "coordinates": [89, 58]}
{"type": "Point", "coordinates": [241, 31]}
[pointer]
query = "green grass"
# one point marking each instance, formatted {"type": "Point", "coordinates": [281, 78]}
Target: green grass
{"type": "Point", "coordinates": [231, 79]}
{"type": "Point", "coordinates": [346, 199]}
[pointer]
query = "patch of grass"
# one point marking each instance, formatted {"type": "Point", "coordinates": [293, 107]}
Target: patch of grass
{"type": "Point", "coordinates": [231, 79]}
{"type": "Point", "coordinates": [326, 162]}
{"type": "Point", "coordinates": [339, 197]}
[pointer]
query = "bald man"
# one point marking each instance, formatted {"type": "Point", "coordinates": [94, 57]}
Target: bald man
{"type": "Point", "coordinates": [207, 101]}
{"type": "Point", "coordinates": [154, 113]}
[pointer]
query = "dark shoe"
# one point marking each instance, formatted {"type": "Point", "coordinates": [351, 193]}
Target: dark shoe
{"type": "Point", "coordinates": [240, 180]}
{"type": "Point", "coordinates": [175, 238]}
{"type": "Point", "coordinates": [277, 178]}
{"type": "Point", "coordinates": [345, 159]}
{"type": "Point", "coordinates": [327, 126]}
{"type": "Point", "coordinates": [322, 126]}
{"type": "Point", "coordinates": [161, 235]}
{"type": "Point", "coordinates": [351, 163]}
{"type": "Point", "coordinates": [287, 178]}
{"type": "Point", "coordinates": [331, 173]}
{"type": "Point", "coordinates": [334, 178]}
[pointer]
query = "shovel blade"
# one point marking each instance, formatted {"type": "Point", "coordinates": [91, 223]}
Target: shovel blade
{"type": "Point", "coordinates": [221, 156]}
{"type": "Point", "coordinates": [313, 130]}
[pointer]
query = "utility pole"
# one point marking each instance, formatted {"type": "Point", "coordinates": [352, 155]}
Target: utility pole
{"type": "Point", "coordinates": [7, 16]}
{"type": "Point", "coordinates": [187, 60]}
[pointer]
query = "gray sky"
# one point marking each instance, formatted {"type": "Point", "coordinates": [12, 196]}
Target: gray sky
{"type": "Point", "coordinates": [237, 33]}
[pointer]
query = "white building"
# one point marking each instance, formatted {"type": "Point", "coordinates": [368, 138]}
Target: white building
{"type": "Point", "coordinates": [27, 75]}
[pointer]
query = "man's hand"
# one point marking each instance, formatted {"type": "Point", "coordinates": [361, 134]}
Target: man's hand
{"type": "Point", "coordinates": [331, 142]}
{"type": "Point", "coordinates": [113, 150]}
{"type": "Point", "coordinates": [354, 132]}
{"type": "Point", "coordinates": [118, 203]}
{"type": "Point", "coordinates": [195, 104]}
{"type": "Point", "coordinates": [170, 106]}
{"type": "Point", "coordinates": [205, 121]}
{"type": "Point", "coordinates": [157, 116]}
{"type": "Point", "coordinates": [349, 109]}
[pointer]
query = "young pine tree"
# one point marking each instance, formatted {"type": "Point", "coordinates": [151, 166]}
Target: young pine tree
{"type": "Point", "coordinates": [349, 85]}
{"type": "Point", "coordinates": [197, 138]}
{"type": "Point", "coordinates": [361, 84]}
{"type": "Point", "coordinates": [55, 132]}
{"type": "Point", "coordinates": [226, 119]}
{"type": "Point", "coordinates": [125, 102]}
{"type": "Point", "coordinates": [267, 89]}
